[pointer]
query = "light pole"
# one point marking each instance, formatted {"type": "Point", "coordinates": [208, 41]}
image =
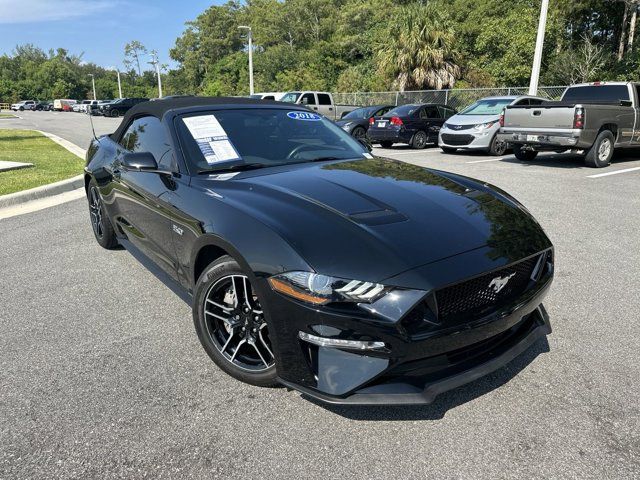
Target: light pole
{"type": "Point", "coordinates": [537, 56]}
{"type": "Point", "coordinates": [119, 84]}
{"type": "Point", "coordinates": [93, 83]}
{"type": "Point", "coordinates": [155, 63]}
{"type": "Point", "coordinates": [250, 38]}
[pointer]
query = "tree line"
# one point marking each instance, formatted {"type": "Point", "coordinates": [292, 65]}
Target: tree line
{"type": "Point", "coordinates": [354, 45]}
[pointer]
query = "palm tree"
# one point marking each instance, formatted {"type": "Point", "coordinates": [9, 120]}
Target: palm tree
{"type": "Point", "coordinates": [418, 49]}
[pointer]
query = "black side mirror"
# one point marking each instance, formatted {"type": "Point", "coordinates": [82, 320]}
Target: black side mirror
{"type": "Point", "coordinates": [139, 161]}
{"type": "Point", "coordinates": [366, 143]}
{"type": "Point", "coordinates": [625, 103]}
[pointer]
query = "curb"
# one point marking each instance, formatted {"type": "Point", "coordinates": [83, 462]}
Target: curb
{"type": "Point", "coordinates": [50, 189]}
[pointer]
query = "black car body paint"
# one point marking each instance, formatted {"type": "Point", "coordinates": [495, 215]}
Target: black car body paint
{"type": "Point", "coordinates": [445, 243]}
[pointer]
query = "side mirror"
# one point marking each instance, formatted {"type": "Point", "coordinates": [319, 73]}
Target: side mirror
{"type": "Point", "coordinates": [139, 161]}
{"type": "Point", "coordinates": [625, 103]}
{"type": "Point", "coordinates": [366, 144]}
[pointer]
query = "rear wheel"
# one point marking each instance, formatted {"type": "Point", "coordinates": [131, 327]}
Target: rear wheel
{"type": "Point", "coordinates": [524, 155]}
{"type": "Point", "coordinates": [419, 140]}
{"type": "Point", "coordinates": [386, 144]}
{"type": "Point", "coordinates": [599, 155]}
{"type": "Point", "coordinates": [230, 323]}
{"type": "Point", "coordinates": [449, 150]}
{"type": "Point", "coordinates": [359, 133]}
{"type": "Point", "coordinates": [498, 147]}
{"type": "Point", "coordinates": [100, 222]}
{"type": "Point", "coordinates": [114, 113]}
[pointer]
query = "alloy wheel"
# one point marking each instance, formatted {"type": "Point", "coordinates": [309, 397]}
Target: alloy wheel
{"type": "Point", "coordinates": [604, 150]}
{"type": "Point", "coordinates": [95, 209]}
{"type": "Point", "coordinates": [236, 325]}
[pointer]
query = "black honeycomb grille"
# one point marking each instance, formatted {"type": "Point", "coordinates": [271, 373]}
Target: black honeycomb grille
{"type": "Point", "coordinates": [488, 292]}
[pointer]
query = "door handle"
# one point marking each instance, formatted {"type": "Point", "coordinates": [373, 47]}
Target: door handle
{"type": "Point", "coordinates": [330, 109]}
{"type": "Point", "coordinates": [315, 108]}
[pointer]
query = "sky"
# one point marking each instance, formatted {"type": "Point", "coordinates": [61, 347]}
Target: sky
{"type": "Point", "coordinates": [99, 28]}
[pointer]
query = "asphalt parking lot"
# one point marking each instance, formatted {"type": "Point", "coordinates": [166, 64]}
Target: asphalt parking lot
{"type": "Point", "coordinates": [101, 373]}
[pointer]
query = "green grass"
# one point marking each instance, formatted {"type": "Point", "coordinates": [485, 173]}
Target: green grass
{"type": "Point", "coordinates": [51, 162]}
{"type": "Point", "coordinates": [7, 115]}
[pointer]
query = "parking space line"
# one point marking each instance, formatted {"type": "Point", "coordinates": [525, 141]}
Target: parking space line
{"type": "Point", "coordinates": [489, 160]}
{"type": "Point", "coordinates": [397, 153]}
{"type": "Point", "coordinates": [614, 173]}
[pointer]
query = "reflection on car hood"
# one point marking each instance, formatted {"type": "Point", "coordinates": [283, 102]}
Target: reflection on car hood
{"type": "Point", "coordinates": [377, 217]}
{"type": "Point", "coordinates": [471, 119]}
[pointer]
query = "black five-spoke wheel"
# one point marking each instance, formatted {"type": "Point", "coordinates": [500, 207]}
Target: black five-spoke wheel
{"type": "Point", "coordinates": [95, 210]}
{"type": "Point", "coordinates": [232, 323]}
{"type": "Point", "coordinates": [236, 325]}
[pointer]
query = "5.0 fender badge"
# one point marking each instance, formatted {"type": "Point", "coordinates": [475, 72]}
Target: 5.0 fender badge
{"type": "Point", "coordinates": [499, 283]}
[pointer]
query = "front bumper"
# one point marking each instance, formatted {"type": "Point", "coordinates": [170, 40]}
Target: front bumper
{"type": "Point", "coordinates": [417, 366]}
{"type": "Point", "coordinates": [468, 139]}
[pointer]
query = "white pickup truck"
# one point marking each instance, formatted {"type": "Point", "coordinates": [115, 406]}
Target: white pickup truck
{"type": "Point", "coordinates": [321, 102]}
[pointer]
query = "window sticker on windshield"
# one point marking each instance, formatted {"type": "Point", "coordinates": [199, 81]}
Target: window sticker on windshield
{"type": "Point", "coordinates": [307, 116]}
{"type": "Point", "coordinates": [211, 139]}
{"type": "Point", "coordinates": [367, 155]}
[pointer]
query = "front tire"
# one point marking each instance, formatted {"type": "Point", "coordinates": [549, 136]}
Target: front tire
{"type": "Point", "coordinates": [524, 155]}
{"type": "Point", "coordinates": [498, 147]}
{"type": "Point", "coordinates": [100, 222]}
{"type": "Point", "coordinates": [386, 144]}
{"type": "Point", "coordinates": [599, 155]}
{"type": "Point", "coordinates": [359, 133]}
{"type": "Point", "coordinates": [231, 325]}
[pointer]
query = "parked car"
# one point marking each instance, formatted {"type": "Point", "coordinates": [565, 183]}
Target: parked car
{"type": "Point", "coordinates": [120, 106]}
{"type": "Point", "coordinates": [477, 126]}
{"type": "Point", "coordinates": [43, 106]}
{"type": "Point", "coordinates": [268, 96]}
{"type": "Point", "coordinates": [357, 121]}
{"type": "Point", "coordinates": [414, 124]}
{"type": "Point", "coordinates": [63, 104]}
{"type": "Point", "coordinates": [80, 106]}
{"type": "Point", "coordinates": [23, 105]}
{"type": "Point", "coordinates": [591, 119]}
{"type": "Point", "coordinates": [310, 263]}
{"type": "Point", "coordinates": [321, 102]}
{"type": "Point", "coordinates": [95, 108]}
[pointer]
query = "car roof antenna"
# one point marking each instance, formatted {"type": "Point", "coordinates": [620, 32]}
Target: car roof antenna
{"type": "Point", "coordinates": [91, 121]}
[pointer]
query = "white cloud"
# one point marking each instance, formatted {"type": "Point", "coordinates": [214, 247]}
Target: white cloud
{"type": "Point", "coordinates": [37, 11]}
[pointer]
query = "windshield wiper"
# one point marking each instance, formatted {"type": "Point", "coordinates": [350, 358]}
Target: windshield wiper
{"type": "Point", "coordinates": [326, 159]}
{"type": "Point", "coordinates": [240, 167]}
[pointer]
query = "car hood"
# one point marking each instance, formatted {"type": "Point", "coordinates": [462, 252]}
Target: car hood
{"type": "Point", "coordinates": [373, 218]}
{"type": "Point", "coordinates": [471, 119]}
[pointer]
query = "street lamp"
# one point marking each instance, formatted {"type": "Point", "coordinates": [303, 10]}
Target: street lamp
{"type": "Point", "coordinates": [537, 56]}
{"type": "Point", "coordinates": [155, 63]}
{"type": "Point", "coordinates": [250, 38]}
{"type": "Point", "coordinates": [93, 82]}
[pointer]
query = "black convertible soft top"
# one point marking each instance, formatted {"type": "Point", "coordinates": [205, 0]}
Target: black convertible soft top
{"type": "Point", "coordinates": [158, 108]}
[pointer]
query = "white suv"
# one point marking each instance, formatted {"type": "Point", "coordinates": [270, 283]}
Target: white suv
{"type": "Point", "coordinates": [24, 105]}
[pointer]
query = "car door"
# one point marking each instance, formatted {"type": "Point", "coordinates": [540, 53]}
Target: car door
{"type": "Point", "coordinates": [144, 199]}
{"type": "Point", "coordinates": [431, 121]}
{"type": "Point", "coordinates": [309, 99]}
{"type": "Point", "coordinates": [325, 106]}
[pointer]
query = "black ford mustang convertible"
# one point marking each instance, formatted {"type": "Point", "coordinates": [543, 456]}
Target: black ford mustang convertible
{"type": "Point", "coordinates": [313, 264]}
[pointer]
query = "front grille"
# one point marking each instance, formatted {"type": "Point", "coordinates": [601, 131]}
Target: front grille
{"type": "Point", "coordinates": [487, 292]}
{"type": "Point", "coordinates": [457, 139]}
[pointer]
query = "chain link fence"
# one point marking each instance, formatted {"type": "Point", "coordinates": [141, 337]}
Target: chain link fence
{"type": "Point", "coordinates": [457, 98]}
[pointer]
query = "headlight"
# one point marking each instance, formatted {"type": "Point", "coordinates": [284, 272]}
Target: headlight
{"type": "Point", "coordinates": [347, 126]}
{"type": "Point", "coordinates": [483, 126]}
{"type": "Point", "coordinates": [446, 125]}
{"type": "Point", "coordinates": [320, 289]}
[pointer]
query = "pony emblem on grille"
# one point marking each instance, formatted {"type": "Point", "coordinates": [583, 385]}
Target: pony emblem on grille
{"type": "Point", "coordinates": [499, 283]}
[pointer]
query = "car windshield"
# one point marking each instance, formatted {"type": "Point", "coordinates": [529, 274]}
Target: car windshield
{"type": "Point", "coordinates": [256, 137]}
{"type": "Point", "coordinates": [487, 107]}
{"type": "Point", "coordinates": [290, 97]}
{"type": "Point", "coordinates": [402, 111]}
{"type": "Point", "coordinates": [360, 113]}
